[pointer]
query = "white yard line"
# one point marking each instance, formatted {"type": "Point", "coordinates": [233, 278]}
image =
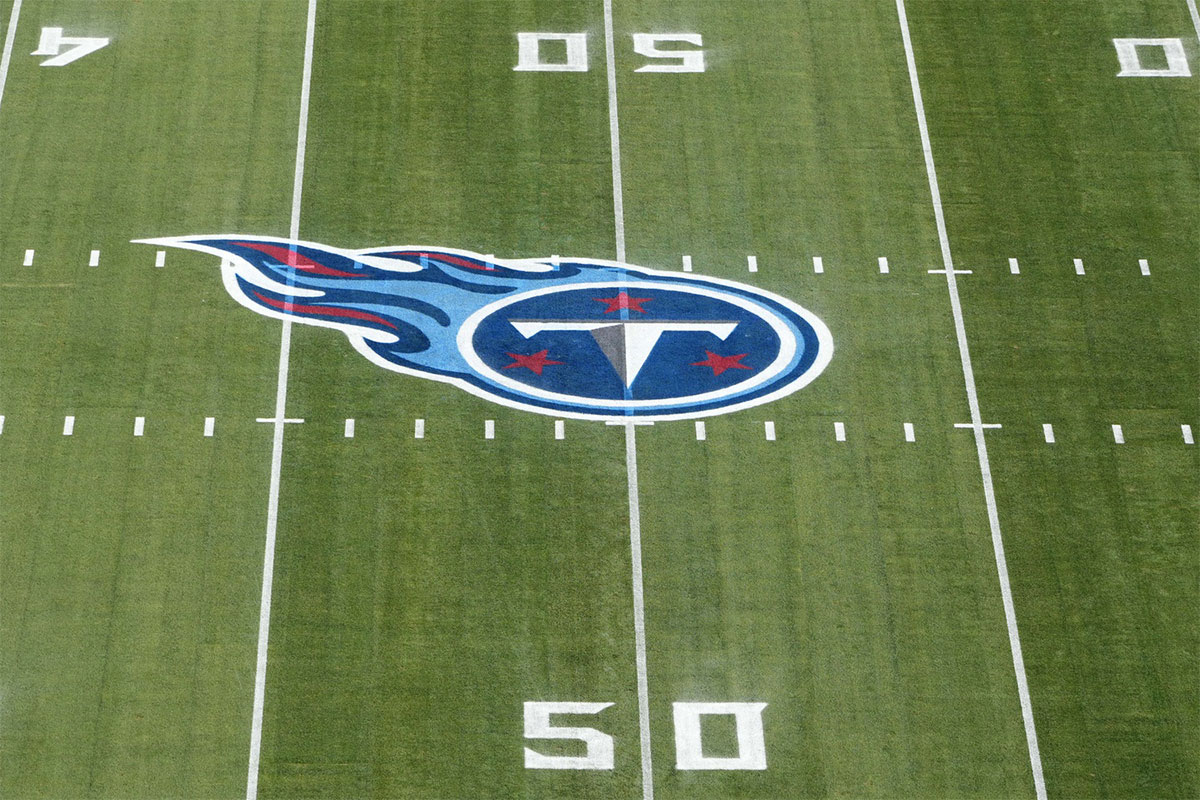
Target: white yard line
{"type": "Point", "coordinates": [1010, 614]}
{"type": "Point", "coordinates": [285, 346]}
{"type": "Point", "coordinates": [9, 36]}
{"type": "Point", "coordinates": [1195, 17]}
{"type": "Point", "coordinates": [635, 515]}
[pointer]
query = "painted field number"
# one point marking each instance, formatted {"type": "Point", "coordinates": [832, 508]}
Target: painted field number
{"type": "Point", "coordinates": [689, 733]}
{"type": "Point", "coordinates": [66, 49]}
{"type": "Point", "coordinates": [539, 51]}
{"type": "Point", "coordinates": [1170, 62]}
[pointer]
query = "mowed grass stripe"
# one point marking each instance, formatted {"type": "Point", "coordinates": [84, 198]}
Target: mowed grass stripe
{"type": "Point", "coordinates": [427, 587]}
{"type": "Point", "coordinates": [1044, 152]}
{"type": "Point", "coordinates": [128, 613]}
{"type": "Point", "coordinates": [843, 592]}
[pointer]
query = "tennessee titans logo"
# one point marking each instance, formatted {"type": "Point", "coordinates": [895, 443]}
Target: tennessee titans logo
{"type": "Point", "coordinates": [568, 337]}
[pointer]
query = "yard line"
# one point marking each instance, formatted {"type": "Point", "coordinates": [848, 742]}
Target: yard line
{"type": "Point", "coordinates": [6, 56]}
{"type": "Point", "coordinates": [1010, 614]}
{"type": "Point", "coordinates": [635, 515]}
{"type": "Point", "coordinates": [1195, 17]}
{"type": "Point", "coordinates": [285, 345]}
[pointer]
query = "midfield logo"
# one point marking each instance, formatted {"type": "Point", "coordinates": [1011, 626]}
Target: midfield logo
{"type": "Point", "coordinates": [567, 337]}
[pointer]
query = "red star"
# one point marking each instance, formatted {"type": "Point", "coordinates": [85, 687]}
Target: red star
{"type": "Point", "coordinates": [721, 363]}
{"type": "Point", "coordinates": [623, 301]}
{"type": "Point", "coordinates": [534, 362]}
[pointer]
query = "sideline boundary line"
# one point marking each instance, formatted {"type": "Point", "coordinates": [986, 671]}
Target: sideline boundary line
{"type": "Point", "coordinates": [285, 348]}
{"type": "Point", "coordinates": [9, 36]}
{"type": "Point", "coordinates": [631, 470]}
{"type": "Point", "coordinates": [985, 469]}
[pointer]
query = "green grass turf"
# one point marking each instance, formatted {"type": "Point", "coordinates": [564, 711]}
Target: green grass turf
{"type": "Point", "coordinates": [425, 589]}
{"type": "Point", "coordinates": [130, 567]}
{"type": "Point", "coordinates": [1045, 155]}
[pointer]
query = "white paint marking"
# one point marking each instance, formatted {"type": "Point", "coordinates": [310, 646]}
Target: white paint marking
{"type": "Point", "coordinates": [1195, 14]}
{"type": "Point", "coordinates": [210, 423]}
{"type": "Point", "coordinates": [419, 429]}
{"type": "Point", "coordinates": [646, 44]}
{"type": "Point", "coordinates": [94, 259]}
{"type": "Point", "coordinates": [972, 425]}
{"type": "Point", "coordinates": [883, 265]}
{"type": "Point", "coordinates": [160, 258]}
{"type": "Point", "coordinates": [560, 429]}
{"type": "Point", "coordinates": [1014, 267]}
{"type": "Point", "coordinates": [1185, 429]}
{"type": "Point", "coordinates": [1172, 52]}
{"type": "Point", "coordinates": [9, 35]}
{"type": "Point", "coordinates": [1079, 266]}
{"type": "Point", "coordinates": [1118, 434]}
{"type": "Point", "coordinates": [2, 423]}
{"type": "Point", "coordinates": [277, 421]}
{"type": "Point", "coordinates": [839, 432]}
{"type": "Point", "coordinates": [818, 265]}
{"type": "Point", "coordinates": [769, 430]}
{"type": "Point", "coordinates": [66, 49]}
{"type": "Point", "coordinates": [701, 432]}
{"type": "Point", "coordinates": [529, 52]}
{"type": "Point", "coordinates": [1048, 432]}
{"type": "Point", "coordinates": [985, 469]}
{"type": "Point", "coordinates": [28, 262]}
{"type": "Point", "coordinates": [139, 426]}
{"type": "Point", "coordinates": [752, 263]}
{"type": "Point", "coordinates": [909, 434]}
{"type": "Point", "coordinates": [635, 514]}
{"type": "Point", "coordinates": [1144, 266]}
{"type": "Point", "coordinates": [687, 263]}
{"type": "Point", "coordinates": [285, 346]}
{"type": "Point", "coordinates": [348, 431]}
{"type": "Point", "coordinates": [68, 426]}
{"type": "Point", "coordinates": [554, 259]}
{"type": "Point", "coordinates": [489, 429]}
{"type": "Point", "coordinates": [950, 270]}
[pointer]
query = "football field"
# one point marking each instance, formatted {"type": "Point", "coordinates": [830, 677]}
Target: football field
{"type": "Point", "coordinates": [950, 549]}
